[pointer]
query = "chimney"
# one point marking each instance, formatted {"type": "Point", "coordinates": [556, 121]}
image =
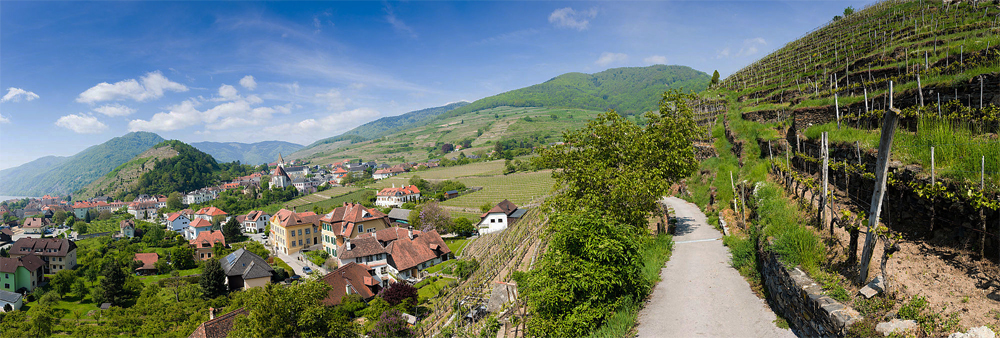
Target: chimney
{"type": "Point", "coordinates": [409, 231]}
{"type": "Point", "coordinates": [347, 243]}
{"type": "Point", "coordinates": [211, 313]}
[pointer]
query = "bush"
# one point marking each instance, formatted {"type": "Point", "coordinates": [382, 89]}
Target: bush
{"type": "Point", "coordinates": [464, 268]}
{"type": "Point", "coordinates": [399, 292]}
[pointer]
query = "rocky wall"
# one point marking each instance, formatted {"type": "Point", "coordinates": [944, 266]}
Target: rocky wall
{"type": "Point", "coordinates": [801, 301]}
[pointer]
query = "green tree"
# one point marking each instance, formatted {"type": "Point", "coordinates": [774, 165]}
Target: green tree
{"type": "Point", "coordinates": [41, 321]}
{"type": "Point", "coordinates": [213, 279]}
{"type": "Point", "coordinates": [464, 226]}
{"type": "Point", "coordinates": [63, 281]}
{"type": "Point", "coordinates": [620, 168]}
{"type": "Point", "coordinates": [182, 257]}
{"type": "Point", "coordinates": [848, 11]}
{"type": "Point", "coordinates": [715, 77]}
{"type": "Point", "coordinates": [590, 269]}
{"type": "Point", "coordinates": [59, 217]}
{"type": "Point", "coordinates": [153, 235]}
{"type": "Point", "coordinates": [104, 215]}
{"type": "Point", "coordinates": [232, 230]}
{"type": "Point", "coordinates": [80, 288]}
{"type": "Point", "coordinates": [80, 227]}
{"type": "Point", "coordinates": [271, 308]}
{"type": "Point", "coordinates": [391, 325]}
{"type": "Point", "coordinates": [113, 287]}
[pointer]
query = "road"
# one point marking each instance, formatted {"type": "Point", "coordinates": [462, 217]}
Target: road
{"type": "Point", "coordinates": [296, 261]}
{"type": "Point", "coordinates": [700, 294]}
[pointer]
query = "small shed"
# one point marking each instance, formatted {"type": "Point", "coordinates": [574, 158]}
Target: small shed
{"type": "Point", "coordinates": [451, 194]}
{"type": "Point", "coordinates": [10, 301]}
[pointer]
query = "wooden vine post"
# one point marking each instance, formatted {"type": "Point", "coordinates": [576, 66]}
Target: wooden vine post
{"type": "Point", "coordinates": [826, 165]}
{"type": "Point", "coordinates": [881, 171]}
{"type": "Point", "coordinates": [933, 196]}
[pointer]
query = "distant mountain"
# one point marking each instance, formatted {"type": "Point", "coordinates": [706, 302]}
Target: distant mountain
{"type": "Point", "coordinates": [167, 167]}
{"type": "Point", "coordinates": [63, 175]}
{"type": "Point", "coordinates": [254, 153]}
{"type": "Point", "coordinates": [391, 124]}
{"type": "Point", "coordinates": [627, 90]}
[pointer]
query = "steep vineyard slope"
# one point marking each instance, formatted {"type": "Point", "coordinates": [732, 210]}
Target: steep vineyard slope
{"type": "Point", "coordinates": [124, 177]}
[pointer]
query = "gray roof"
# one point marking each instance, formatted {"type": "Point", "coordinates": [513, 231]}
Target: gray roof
{"type": "Point", "coordinates": [247, 264]}
{"type": "Point", "coordinates": [9, 297]}
{"type": "Point", "coordinates": [517, 213]}
{"type": "Point", "coordinates": [397, 213]}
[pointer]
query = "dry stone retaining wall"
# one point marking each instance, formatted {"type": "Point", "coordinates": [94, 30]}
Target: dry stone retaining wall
{"type": "Point", "coordinates": [801, 301]}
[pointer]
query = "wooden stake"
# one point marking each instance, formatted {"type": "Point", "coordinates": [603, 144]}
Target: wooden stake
{"type": "Point", "coordinates": [920, 90]}
{"type": "Point", "coordinates": [866, 100]}
{"type": "Point", "coordinates": [881, 171]}
{"type": "Point", "coordinates": [836, 102]}
{"type": "Point", "coordinates": [826, 180]}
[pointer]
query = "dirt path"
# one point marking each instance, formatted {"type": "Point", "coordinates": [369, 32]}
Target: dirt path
{"type": "Point", "coordinates": [701, 295]}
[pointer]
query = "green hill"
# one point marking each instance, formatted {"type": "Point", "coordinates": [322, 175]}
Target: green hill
{"type": "Point", "coordinates": [627, 90]}
{"type": "Point", "coordinates": [52, 175]}
{"type": "Point", "coordinates": [167, 167]}
{"type": "Point", "coordinates": [253, 153]}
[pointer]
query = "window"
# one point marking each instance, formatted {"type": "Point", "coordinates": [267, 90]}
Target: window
{"type": "Point", "coordinates": [361, 228]}
{"type": "Point", "coordinates": [300, 232]}
{"type": "Point", "coordinates": [357, 260]}
{"type": "Point", "coordinates": [307, 240]}
{"type": "Point", "coordinates": [307, 231]}
{"type": "Point", "coordinates": [293, 233]}
{"type": "Point", "coordinates": [6, 286]}
{"type": "Point", "coordinates": [493, 220]}
{"type": "Point", "coordinates": [300, 242]}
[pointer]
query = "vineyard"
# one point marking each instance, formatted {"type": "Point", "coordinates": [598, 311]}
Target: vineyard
{"type": "Point", "coordinates": [815, 117]}
{"type": "Point", "coordinates": [320, 196]}
{"type": "Point", "coordinates": [519, 188]}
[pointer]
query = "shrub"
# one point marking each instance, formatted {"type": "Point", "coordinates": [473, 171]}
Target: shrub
{"type": "Point", "coordinates": [399, 292]}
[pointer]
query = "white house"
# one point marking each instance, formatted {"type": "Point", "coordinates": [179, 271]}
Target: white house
{"type": "Point", "coordinates": [195, 228]}
{"type": "Point", "coordinates": [143, 210]}
{"type": "Point", "coordinates": [395, 197]}
{"type": "Point", "coordinates": [201, 195]}
{"type": "Point", "coordinates": [255, 221]}
{"type": "Point", "coordinates": [177, 222]}
{"type": "Point", "coordinates": [500, 217]}
{"type": "Point", "coordinates": [10, 301]}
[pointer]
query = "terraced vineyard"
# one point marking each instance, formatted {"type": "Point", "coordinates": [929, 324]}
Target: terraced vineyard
{"type": "Point", "coordinates": [938, 65]}
{"type": "Point", "coordinates": [320, 196]}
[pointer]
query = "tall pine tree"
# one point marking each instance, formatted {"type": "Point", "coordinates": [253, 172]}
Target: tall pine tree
{"type": "Point", "coordinates": [213, 279]}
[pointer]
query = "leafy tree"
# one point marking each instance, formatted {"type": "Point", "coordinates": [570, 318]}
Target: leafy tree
{"type": "Point", "coordinates": [604, 264]}
{"type": "Point", "coordinates": [63, 281]}
{"type": "Point", "coordinates": [104, 215]}
{"type": "Point", "coordinates": [59, 217]}
{"type": "Point", "coordinates": [464, 227]}
{"type": "Point", "coordinates": [80, 227]}
{"type": "Point", "coordinates": [848, 11]}
{"type": "Point", "coordinates": [485, 208]}
{"type": "Point", "coordinates": [80, 288]}
{"type": "Point", "coordinates": [213, 279]}
{"type": "Point", "coordinates": [153, 235]}
{"type": "Point", "coordinates": [715, 77]}
{"type": "Point", "coordinates": [465, 268]}
{"type": "Point", "coordinates": [113, 287]}
{"type": "Point", "coordinates": [391, 325]}
{"type": "Point", "coordinates": [447, 148]}
{"type": "Point", "coordinates": [399, 292]}
{"type": "Point", "coordinates": [430, 216]}
{"type": "Point", "coordinates": [174, 201]}
{"type": "Point", "coordinates": [42, 321]}
{"type": "Point", "coordinates": [621, 169]}
{"type": "Point", "coordinates": [421, 184]}
{"type": "Point", "coordinates": [271, 308]}
{"type": "Point", "coordinates": [182, 257]}
{"type": "Point", "coordinates": [232, 230]}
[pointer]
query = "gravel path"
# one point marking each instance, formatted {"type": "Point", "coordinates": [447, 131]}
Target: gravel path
{"type": "Point", "coordinates": [701, 295]}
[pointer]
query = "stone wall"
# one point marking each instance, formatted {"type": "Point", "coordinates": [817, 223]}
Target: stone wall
{"type": "Point", "coordinates": [801, 301]}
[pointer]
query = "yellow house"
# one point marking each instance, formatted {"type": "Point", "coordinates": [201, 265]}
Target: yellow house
{"type": "Point", "coordinates": [349, 221]}
{"type": "Point", "coordinates": [291, 231]}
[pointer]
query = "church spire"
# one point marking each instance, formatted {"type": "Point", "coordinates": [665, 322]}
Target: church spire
{"type": "Point", "coordinates": [281, 161]}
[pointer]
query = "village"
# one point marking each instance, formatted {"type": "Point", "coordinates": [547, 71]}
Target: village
{"type": "Point", "coordinates": [50, 245]}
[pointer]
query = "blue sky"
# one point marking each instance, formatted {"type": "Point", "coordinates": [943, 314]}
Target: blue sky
{"type": "Point", "coordinates": [75, 74]}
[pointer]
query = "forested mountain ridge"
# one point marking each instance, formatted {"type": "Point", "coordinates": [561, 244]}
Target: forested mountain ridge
{"type": "Point", "coordinates": [52, 175]}
{"type": "Point", "coordinates": [628, 90]}
{"type": "Point", "coordinates": [252, 153]}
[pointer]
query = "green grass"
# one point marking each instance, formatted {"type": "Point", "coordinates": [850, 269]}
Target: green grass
{"type": "Point", "coordinates": [281, 264]}
{"type": "Point", "coordinates": [430, 290]}
{"type": "Point", "coordinates": [316, 257]}
{"type": "Point", "coordinates": [327, 205]}
{"type": "Point", "coordinates": [456, 245]}
{"type": "Point", "coordinates": [156, 278]}
{"type": "Point", "coordinates": [321, 196]}
{"type": "Point", "coordinates": [438, 267]}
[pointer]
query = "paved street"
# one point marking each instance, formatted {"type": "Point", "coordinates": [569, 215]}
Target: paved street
{"type": "Point", "coordinates": [701, 295]}
{"type": "Point", "coordinates": [296, 261]}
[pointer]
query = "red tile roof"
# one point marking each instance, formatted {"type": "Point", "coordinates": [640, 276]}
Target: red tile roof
{"type": "Point", "coordinates": [343, 219]}
{"type": "Point", "coordinates": [207, 239]}
{"type": "Point", "coordinates": [218, 327]}
{"type": "Point", "coordinates": [35, 222]}
{"type": "Point", "coordinates": [351, 275]}
{"type": "Point", "coordinates": [211, 211]}
{"type": "Point", "coordinates": [174, 216]}
{"type": "Point", "coordinates": [401, 191]}
{"type": "Point", "coordinates": [406, 253]}
{"type": "Point", "coordinates": [393, 233]}
{"type": "Point", "coordinates": [148, 260]}
{"type": "Point", "coordinates": [200, 223]}
{"type": "Point", "coordinates": [287, 218]}
{"type": "Point", "coordinates": [30, 262]}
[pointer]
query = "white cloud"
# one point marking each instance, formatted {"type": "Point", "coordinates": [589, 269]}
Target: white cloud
{"type": "Point", "coordinates": [237, 113]}
{"type": "Point", "coordinates": [398, 24]}
{"type": "Point", "coordinates": [569, 18]}
{"type": "Point", "coordinates": [152, 87]}
{"type": "Point", "coordinates": [608, 58]}
{"type": "Point", "coordinates": [333, 100]}
{"type": "Point", "coordinates": [724, 53]}
{"type": "Point", "coordinates": [114, 110]}
{"type": "Point", "coordinates": [228, 93]}
{"type": "Point", "coordinates": [248, 82]}
{"type": "Point", "coordinates": [82, 124]}
{"type": "Point", "coordinates": [16, 94]}
{"type": "Point", "coordinates": [325, 126]}
{"type": "Point", "coordinates": [750, 46]}
{"type": "Point", "coordinates": [4, 119]}
{"type": "Point", "coordinates": [656, 60]}
{"type": "Point", "coordinates": [358, 85]}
